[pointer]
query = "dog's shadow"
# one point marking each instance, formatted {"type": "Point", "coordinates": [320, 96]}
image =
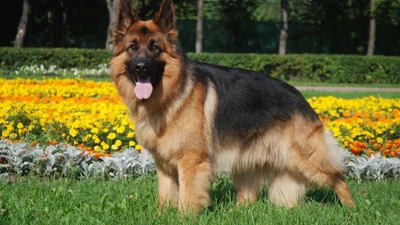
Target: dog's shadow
{"type": "Point", "coordinates": [223, 192]}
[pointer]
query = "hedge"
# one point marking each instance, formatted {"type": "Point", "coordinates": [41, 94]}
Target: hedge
{"type": "Point", "coordinates": [304, 67]}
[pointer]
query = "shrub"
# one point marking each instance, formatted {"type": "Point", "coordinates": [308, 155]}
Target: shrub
{"type": "Point", "coordinates": [306, 67]}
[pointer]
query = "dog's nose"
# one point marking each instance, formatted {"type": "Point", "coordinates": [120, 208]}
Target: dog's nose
{"type": "Point", "coordinates": [140, 67]}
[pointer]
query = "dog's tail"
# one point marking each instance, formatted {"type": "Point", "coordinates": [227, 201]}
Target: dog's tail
{"type": "Point", "coordinates": [324, 165]}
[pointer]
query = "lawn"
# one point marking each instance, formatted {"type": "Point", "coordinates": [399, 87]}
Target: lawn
{"type": "Point", "coordinates": [350, 95]}
{"type": "Point", "coordinates": [102, 121]}
{"type": "Point", "coordinates": [133, 201]}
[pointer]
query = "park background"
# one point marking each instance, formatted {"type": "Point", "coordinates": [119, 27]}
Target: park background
{"type": "Point", "coordinates": [316, 26]}
{"type": "Point", "coordinates": [68, 152]}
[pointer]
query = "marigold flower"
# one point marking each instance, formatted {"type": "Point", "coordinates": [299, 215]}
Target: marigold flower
{"type": "Point", "coordinates": [111, 136]}
{"type": "Point", "coordinates": [118, 143]}
{"type": "Point", "coordinates": [130, 135]}
{"type": "Point", "coordinates": [73, 132]}
{"type": "Point", "coordinates": [105, 145]}
{"type": "Point", "coordinates": [138, 147]}
{"type": "Point", "coordinates": [121, 129]}
{"type": "Point", "coordinates": [94, 130]}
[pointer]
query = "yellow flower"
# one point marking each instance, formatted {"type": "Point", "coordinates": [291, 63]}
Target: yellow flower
{"type": "Point", "coordinates": [105, 145]}
{"type": "Point", "coordinates": [118, 143]}
{"type": "Point", "coordinates": [73, 132]}
{"type": "Point", "coordinates": [94, 130]}
{"type": "Point", "coordinates": [130, 134]}
{"type": "Point", "coordinates": [111, 136]}
{"type": "Point", "coordinates": [98, 148]}
{"type": "Point", "coordinates": [121, 129]}
{"type": "Point", "coordinates": [5, 134]}
{"type": "Point", "coordinates": [105, 130]}
{"type": "Point", "coordinates": [20, 126]}
{"type": "Point", "coordinates": [379, 140]}
{"type": "Point", "coordinates": [132, 143]}
{"type": "Point", "coordinates": [138, 147]}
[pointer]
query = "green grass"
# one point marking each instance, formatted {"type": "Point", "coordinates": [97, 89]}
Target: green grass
{"type": "Point", "coordinates": [296, 83]}
{"type": "Point", "coordinates": [351, 95]}
{"type": "Point", "coordinates": [133, 201]}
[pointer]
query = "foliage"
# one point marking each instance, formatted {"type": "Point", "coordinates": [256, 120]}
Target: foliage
{"type": "Point", "coordinates": [372, 168]}
{"type": "Point", "coordinates": [84, 113]}
{"type": "Point", "coordinates": [13, 58]}
{"type": "Point", "coordinates": [63, 160]}
{"type": "Point", "coordinates": [339, 27]}
{"type": "Point", "coordinates": [91, 115]}
{"type": "Point", "coordinates": [317, 68]}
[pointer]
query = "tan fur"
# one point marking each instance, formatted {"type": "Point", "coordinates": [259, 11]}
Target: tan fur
{"type": "Point", "coordinates": [294, 155]}
{"type": "Point", "coordinates": [176, 124]}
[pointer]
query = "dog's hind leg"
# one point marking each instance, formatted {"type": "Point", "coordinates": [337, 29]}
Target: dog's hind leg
{"type": "Point", "coordinates": [319, 160]}
{"type": "Point", "coordinates": [286, 189]}
{"type": "Point", "coordinates": [248, 186]}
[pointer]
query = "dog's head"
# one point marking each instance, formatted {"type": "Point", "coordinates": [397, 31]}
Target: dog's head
{"type": "Point", "coordinates": [147, 45]}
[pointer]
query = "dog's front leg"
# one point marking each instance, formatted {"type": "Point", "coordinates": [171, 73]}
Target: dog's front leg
{"type": "Point", "coordinates": [194, 169]}
{"type": "Point", "coordinates": [167, 188]}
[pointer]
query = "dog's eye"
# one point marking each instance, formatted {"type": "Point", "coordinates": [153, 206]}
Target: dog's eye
{"type": "Point", "coordinates": [153, 46]}
{"type": "Point", "coordinates": [133, 46]}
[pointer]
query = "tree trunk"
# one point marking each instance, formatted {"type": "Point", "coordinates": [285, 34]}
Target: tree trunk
{"type": "Point", "coordinates": [199, 26]}
{"type": "Point", "coordinates": [50, 20]}
{"type": "Point", "coordinates": [372, 28]}
{"type": "Point", "coordinates": [284, 27]}
{"type": "Point", "coordinates": [19, 38]}
{"type": "Point", "coordinates": [112, 6]}
{"type": "Point", "coordinates": [64, 23]}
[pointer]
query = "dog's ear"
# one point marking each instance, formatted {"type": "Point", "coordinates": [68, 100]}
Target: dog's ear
{"type": "Point", "coordinates": [125, 18]}
{"type": "Point", "coordinates": [165, 19]}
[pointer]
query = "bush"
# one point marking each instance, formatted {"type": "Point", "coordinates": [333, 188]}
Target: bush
{"type": "Point", "coordinates": [306, 67]}
{"type": "Point", "coordinates": [13, 58]}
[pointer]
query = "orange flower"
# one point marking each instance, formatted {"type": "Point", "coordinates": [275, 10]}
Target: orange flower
{"type": "Point", "coordinates": [35, 143]}
{"type": "Point", "coordinates": [346, 114]}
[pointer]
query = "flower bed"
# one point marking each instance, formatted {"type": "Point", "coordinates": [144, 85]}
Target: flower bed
{"type": "Point", "coordinates": [91, 116]}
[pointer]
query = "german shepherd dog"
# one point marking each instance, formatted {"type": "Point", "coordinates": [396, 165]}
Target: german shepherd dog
{"type": "Point", "coordinates": [198, 119]}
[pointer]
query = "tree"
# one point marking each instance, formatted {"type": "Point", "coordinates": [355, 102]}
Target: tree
{"type": "Point", "coordinates": [372, 28]}
{"type": "Point", "coordinates": [112, 6]}
{"type": "Point", "coordinates": [284, 27]}
{"type": "Point", "coordinates": [235, 16]}
{"type": "Point", "coordinates": [65, 7]}
{"type": "Point", "coordinates": [199, 26]}
{"type": "Point", "coordinates": [19, 39]}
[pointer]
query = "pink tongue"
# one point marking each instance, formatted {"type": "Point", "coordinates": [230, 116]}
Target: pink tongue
{"type": "Point", "coordinates": [143, 88]}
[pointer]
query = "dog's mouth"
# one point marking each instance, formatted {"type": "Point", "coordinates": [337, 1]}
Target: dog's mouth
{"type": "Point", "coordinates": [146, 78]}
{"type": "Point", "coordinates": [143, 88]}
